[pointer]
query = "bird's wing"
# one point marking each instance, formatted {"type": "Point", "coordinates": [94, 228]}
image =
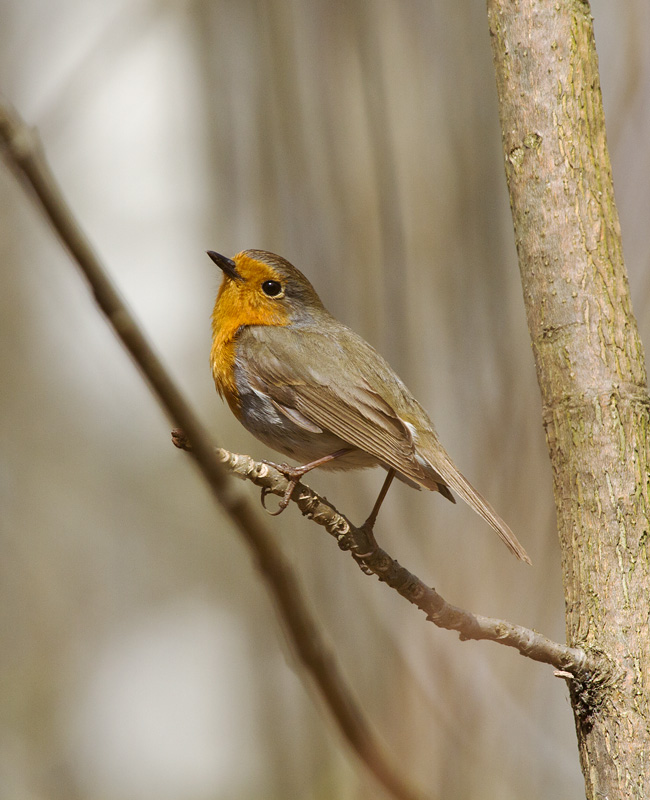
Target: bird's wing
{"type": "Point", "coordinates": [339, 400]}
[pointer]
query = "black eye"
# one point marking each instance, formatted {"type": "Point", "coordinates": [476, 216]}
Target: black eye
{"type": "Point", "coordinates": [272, 288]}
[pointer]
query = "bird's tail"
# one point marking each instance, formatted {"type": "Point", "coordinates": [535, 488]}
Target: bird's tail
{"type": "Point", "coordinates": [459, 484]}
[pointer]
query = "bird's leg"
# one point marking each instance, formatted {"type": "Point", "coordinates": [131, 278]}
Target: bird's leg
{"type": "Point", "coordinates": [369, 524]}
{"type": "Point", "coordinates": [294, 474]}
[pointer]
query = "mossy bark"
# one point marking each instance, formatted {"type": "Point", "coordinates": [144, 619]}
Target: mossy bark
{"type": "Point", "coordinates": [590, 367]}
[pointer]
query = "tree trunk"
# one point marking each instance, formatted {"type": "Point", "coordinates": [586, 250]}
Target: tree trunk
{"type": "Point", "coordinates": [590, 367]}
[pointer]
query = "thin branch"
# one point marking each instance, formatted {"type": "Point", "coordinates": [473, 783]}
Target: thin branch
{"type": "Point", "coordinates": [572, 662]}
{"type": "Point", "coordinates": [24, 152]}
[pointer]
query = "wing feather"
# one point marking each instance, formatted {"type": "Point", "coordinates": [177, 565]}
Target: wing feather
{"type": "Point", "coordinates": [350, 409]}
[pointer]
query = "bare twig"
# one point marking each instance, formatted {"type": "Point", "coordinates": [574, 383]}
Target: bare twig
{"type": "Point", "coordinates": [23, 150]}
{"type": "Point", "coordinates": [572, 662]}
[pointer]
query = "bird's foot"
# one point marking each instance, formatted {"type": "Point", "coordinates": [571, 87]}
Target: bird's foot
{"type": "Point", "coordinates": [362, 558]}
{"type": "Point", "coordinates": [284, 502]}
{"type": "Point", "coordinates": [289, 472]}
{"type": "Point", "coordinates": [293, 475]}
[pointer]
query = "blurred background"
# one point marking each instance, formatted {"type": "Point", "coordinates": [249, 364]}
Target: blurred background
{"type": "Point", "coordinates": [140, 656]}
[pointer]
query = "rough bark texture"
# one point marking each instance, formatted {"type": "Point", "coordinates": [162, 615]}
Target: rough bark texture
{"type": "Point", "coordinates": [590, 367]}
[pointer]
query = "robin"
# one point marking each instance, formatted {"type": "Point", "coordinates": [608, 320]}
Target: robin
{"type": "Point", "coordinates": [308, 386]}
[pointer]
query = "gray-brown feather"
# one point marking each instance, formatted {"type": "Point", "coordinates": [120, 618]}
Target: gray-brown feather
{"type": "Point", "coordinates": [334, 392]}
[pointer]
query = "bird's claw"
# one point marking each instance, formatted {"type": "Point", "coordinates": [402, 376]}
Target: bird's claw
{"type": "Point", "coordinates": [360, 558]}
{"type": "Point", "coordinates": [284, 502]}
{"type": "Point", "coordinates": [293, 475]}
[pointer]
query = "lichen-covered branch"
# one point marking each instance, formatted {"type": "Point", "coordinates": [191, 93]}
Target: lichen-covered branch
{"type": "Point", "coordinates": [573, 663]}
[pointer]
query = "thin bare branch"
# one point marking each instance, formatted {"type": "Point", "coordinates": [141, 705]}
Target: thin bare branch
{"type": "Point", "coordinates": [24, 153]}
{"type": "Point", "coordinates": [571, 662]}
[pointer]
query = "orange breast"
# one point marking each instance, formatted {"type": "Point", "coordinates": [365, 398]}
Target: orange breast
{"type": "Point", "coordinates": [222, 359]}
{"type": "Point", "coordinates": [238, 303]}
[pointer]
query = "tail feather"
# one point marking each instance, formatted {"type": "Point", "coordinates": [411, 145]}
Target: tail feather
{"type": "Point", "coordinates": [459, 483]}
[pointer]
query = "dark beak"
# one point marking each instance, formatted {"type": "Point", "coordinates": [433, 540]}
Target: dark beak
{"type": "Point", "coordinates": [225, 264]}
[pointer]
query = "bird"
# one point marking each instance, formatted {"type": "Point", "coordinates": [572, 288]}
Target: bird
{"type": "Point", "coordinates": [311, 388]}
